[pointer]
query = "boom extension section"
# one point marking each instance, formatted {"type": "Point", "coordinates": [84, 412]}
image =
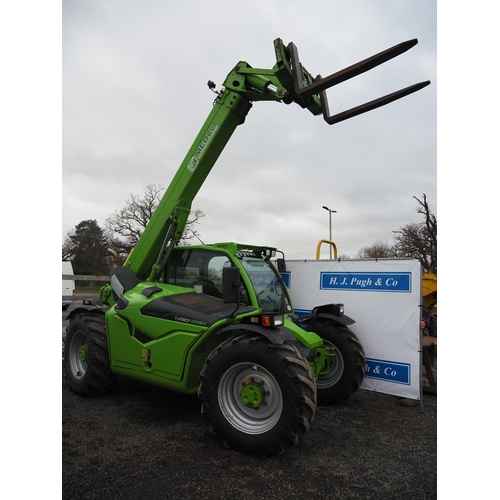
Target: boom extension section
{"type": "Point", "coordinates": [288, 81]}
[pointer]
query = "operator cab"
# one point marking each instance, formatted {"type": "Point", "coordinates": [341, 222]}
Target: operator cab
{"type": "Point", "coordinates": [200, 269]}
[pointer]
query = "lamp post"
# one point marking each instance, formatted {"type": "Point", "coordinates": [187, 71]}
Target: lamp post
{"type": "Point", "coordinates": [330, 220]}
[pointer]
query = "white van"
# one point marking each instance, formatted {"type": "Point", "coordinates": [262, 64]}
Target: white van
{"type": "Point", "coordinates": [68, 286]}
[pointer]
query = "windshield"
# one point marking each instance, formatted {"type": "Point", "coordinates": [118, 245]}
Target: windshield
{"type": "Point", "coordinates": [266, 282]}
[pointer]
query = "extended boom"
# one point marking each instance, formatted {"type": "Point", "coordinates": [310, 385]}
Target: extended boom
{"type": "Point", "coordinates": [288, 81]}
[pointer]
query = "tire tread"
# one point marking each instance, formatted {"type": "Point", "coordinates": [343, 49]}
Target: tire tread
{"type": "Point", "coordinates": [303, 383]}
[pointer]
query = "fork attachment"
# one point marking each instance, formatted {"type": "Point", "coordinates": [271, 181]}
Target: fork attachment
{"type": "Point", "coordinates": [310, 92]}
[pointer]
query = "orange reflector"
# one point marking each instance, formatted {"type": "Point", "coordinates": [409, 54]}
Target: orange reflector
{"type": "Point", "coordinates": [267, 321]}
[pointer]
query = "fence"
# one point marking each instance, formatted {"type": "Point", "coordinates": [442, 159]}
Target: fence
{"type": "Point", "coordinates": [87, 279]}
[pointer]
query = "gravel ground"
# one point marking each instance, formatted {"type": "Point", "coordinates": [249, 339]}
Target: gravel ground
{"type": "Point", "coordinates": [143, 441]}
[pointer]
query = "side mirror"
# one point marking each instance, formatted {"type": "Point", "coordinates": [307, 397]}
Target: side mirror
{"type": "Point", "coordinates": [231, 285]}
{"type": "Point", "coordinates": [122, 280]}
{"type": "Point", "coordinates": [281, 265]}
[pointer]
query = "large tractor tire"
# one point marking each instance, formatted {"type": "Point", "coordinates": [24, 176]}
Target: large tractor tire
{"type": "Point", "coordinates": [86, 355]}
{"type": "Point", "coordinates": [348, 365]}
{"type": "Point", "coordinates": [259, 397]}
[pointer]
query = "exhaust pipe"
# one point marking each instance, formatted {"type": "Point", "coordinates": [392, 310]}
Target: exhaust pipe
{"type": "Point", "coordinates": [114, 260]}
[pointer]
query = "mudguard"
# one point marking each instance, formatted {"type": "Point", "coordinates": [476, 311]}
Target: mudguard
{"type": "Point", "coordinates": [276, 335]}
{"type": "Point", "coordinates": [341, 319]}
{"type": "Point", "coordinates": [96, 306]}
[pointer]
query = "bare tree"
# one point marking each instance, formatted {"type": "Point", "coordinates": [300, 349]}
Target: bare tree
{"type": "Point", "coordinates": [125, 227]}
{"type": "Point", "coordinates": [419, 240]}
{"type": "Point", "coordinates": [379, 250]}
{"type": "Point", "coordinates": [190, 232]}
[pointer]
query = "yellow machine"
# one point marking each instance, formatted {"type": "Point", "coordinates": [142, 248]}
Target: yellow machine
{"type": "Point", "coordinates": [429, 292]}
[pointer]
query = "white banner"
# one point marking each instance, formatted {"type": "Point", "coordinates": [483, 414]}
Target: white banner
{"type": "Point", "coordinates": [384, 298]}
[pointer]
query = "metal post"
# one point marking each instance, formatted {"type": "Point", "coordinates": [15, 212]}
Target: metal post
{"type": "Point", "coordinates": [330, 225]}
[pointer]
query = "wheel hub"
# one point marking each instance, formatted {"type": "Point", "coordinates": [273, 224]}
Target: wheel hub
{"type": "Point", "coordinates": [253, 394]}
{"type": "Point", "coordinates": [328, 366]}
{"type": "Point", "coordinates": [82, 353]}
{"type": "Point", "coordinates": [250, 398]}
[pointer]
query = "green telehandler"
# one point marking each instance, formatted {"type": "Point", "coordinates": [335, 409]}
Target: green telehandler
{"type": "Point", "coordinates": [217, 320]}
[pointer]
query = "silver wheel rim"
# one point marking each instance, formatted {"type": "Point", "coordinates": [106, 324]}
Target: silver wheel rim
{"type": "Point", "coordinates": [336, 371]}
{"type": "Point", "coordinates": [77, 365]}
{"type": "Point", "coordinates": [231, 394]}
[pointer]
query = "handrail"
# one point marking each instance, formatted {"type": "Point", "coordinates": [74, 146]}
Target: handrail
{"type": "Point", "coordinates": [318, 248]}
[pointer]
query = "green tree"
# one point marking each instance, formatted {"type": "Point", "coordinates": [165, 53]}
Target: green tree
{"type": "Point", "coordinates": [86, 246]}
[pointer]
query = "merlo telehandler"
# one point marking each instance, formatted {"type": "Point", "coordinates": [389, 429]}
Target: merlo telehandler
{"type": "Point", "coordinates": [217, 320]}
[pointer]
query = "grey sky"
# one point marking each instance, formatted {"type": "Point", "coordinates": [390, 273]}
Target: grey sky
{"type": "Point", "coordinates": [135, 96]}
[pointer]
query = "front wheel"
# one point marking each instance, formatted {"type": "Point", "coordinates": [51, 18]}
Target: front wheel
{"type": "Point", "coordinates": [86, 356]}
{"type": "Point", "coordinates": [347, 367]}
{"type": "Point", "coordinates": [259, 397]}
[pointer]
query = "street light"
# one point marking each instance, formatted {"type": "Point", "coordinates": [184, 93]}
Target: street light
{"type": "Point", "coordinates": [330, 216]}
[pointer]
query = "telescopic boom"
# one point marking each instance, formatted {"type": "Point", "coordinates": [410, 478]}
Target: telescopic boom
{"type": "Point", "coordinates": [288, 81]}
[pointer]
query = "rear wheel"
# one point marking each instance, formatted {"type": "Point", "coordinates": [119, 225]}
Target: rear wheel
{"type": "Point", "coordinates": [348, 365]}
{"type": "Point", "coordinates": [259, 397]}
{"type": "Point", "coordinates": [86, 355]}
